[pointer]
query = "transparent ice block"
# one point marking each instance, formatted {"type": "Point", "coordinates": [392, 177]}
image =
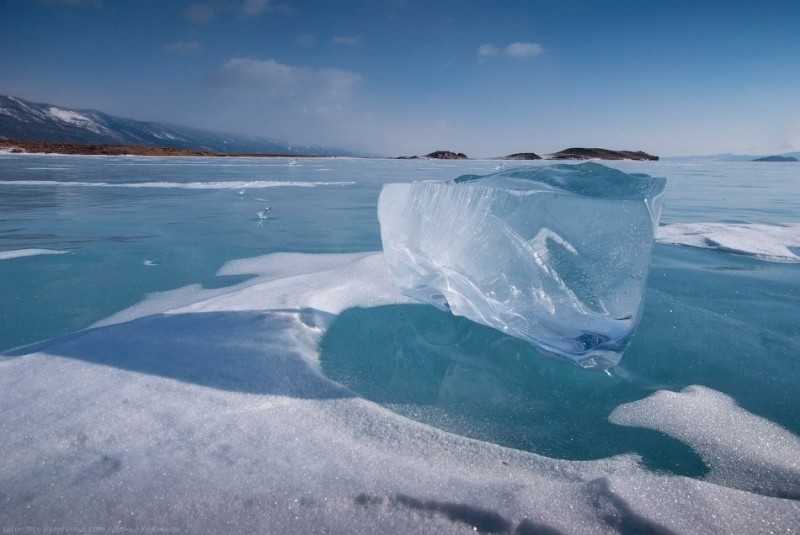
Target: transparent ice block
{"type": "Point", "coordinates": [555, 255]}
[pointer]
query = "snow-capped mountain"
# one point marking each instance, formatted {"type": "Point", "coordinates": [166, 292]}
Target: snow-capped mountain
{"type": "Point", "coordinates": [28, 121]}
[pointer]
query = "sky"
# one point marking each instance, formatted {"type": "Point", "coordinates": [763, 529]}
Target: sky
{"type": "Point", "coordinates": [402, 77]}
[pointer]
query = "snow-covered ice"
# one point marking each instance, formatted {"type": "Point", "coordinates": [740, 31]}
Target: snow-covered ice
{"type": "Point", "coordinates": [250, 184]}
{"type": "Point", "coordinates": [743, 450]}
{"type": "Point", "coordinates": [20, 253]}
{"type": "Point", "coordinates": [303, 393]}
{"type": "Point", "coordinates": [776, 243]}
{"type": "Point", "coordinates": [205, 411]}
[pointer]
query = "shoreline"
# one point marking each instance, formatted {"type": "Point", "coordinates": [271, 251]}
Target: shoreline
{"type": "Point", "coordinates": [98, 149]}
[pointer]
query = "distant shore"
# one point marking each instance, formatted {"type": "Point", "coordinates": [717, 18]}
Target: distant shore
{"type": "Point", "coordinates": [98, 149]}
{"type": "Point", "coordinates": [45, 147]}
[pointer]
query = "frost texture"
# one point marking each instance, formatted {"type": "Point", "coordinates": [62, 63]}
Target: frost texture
{"type": "Point", "coordinates": [554, 255]}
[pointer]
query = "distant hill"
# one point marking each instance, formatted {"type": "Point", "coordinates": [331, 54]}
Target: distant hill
{"type": "Point", "coordinates": [47, 147]}
{"type": "Point", "coordinates": [776, 159]}
{"type": "Point", "coordinates": [446, 155]}
{"type": "Point", "coordinates": [438, 155]}
{"type": "Point", "coordinates": [28, 121]}
{"type": "Point", "coordinates": [523, 156]}
{"type": "Point", "coordinates": [729, 157]}
{"type": "Point", "coordinates": [602, 154]}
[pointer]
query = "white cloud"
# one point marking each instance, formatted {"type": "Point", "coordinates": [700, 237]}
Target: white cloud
{"type": "Point", "coordinates": [301, 86]}
{"type": "Point", "coordinates": [488, 51]}
{"type": "Point", "coordinates": [183, 47]}
{"type": "Point", "coordinates": [346, 39]}
{"type": "Point", "coordinates": [200, 13]}
{"type": "Point", "coordinates": [524, 50]}
{"type": "Point", "coordinates": [254, 8]}
{"type": "Point", "coordinates": [203, 12]}
{"type": "Point", "coordinates": [514, 50]}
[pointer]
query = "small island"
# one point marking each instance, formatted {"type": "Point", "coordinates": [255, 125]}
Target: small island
{"type": "Point", "coordinates": [600, 154]}
{"type": "Point", "coordinates": [566, 154]}
{"type": "Point", "coordinates": [446, 155]}
{"type": "Point", "coordinates": [523, 156]}
{"type": "Point", "coordinates": [776, 159]}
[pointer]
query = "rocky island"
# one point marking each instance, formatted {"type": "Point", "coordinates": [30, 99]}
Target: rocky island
{"type": "Point", "coordinates": [600, 154]}
{"type": "Point", "coordinates": [446, 155]}
{"type": "Point", "coordinates": [523, 156]}
{"type": "Point", "coordinates": [566, 154]}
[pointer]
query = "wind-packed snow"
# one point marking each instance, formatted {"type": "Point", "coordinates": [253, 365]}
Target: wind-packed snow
{"type": "Point", "coordinates": [778, 243]}
{"type": "Point", "coordinates": [249, 184]}
{"type": "Point", "coordinates": [19, 253]}
{"type": "Point", "coordinates": [743, 450]}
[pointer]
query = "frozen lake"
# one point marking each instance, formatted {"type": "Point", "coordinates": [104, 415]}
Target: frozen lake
{"type": "Point", "coordinates": [217, 346]}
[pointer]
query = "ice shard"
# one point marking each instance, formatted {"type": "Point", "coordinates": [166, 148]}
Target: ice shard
{"type": "Point", "coordinates": [555, 255]}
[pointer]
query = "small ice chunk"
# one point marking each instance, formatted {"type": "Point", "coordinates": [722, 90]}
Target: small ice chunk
{"type": "Point", "coordinates": [555, 255]}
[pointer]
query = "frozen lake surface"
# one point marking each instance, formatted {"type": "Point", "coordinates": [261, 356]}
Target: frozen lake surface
{"type": "Point", "coordinates": [209, 345]}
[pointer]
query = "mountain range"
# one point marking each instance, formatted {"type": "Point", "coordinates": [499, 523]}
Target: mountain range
{"type": "Point", "coordinates": [21, 120]}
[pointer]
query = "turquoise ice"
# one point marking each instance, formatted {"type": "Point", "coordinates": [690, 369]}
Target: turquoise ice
{"type": "Point", "coordinates": [555, 255]}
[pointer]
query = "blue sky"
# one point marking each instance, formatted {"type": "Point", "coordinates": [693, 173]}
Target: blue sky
{"type": "Point", "coordinates": [397, 77]}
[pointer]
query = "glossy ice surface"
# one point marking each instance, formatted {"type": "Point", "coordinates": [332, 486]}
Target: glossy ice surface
{"type": "Point", "coordinates": [555, 255]}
